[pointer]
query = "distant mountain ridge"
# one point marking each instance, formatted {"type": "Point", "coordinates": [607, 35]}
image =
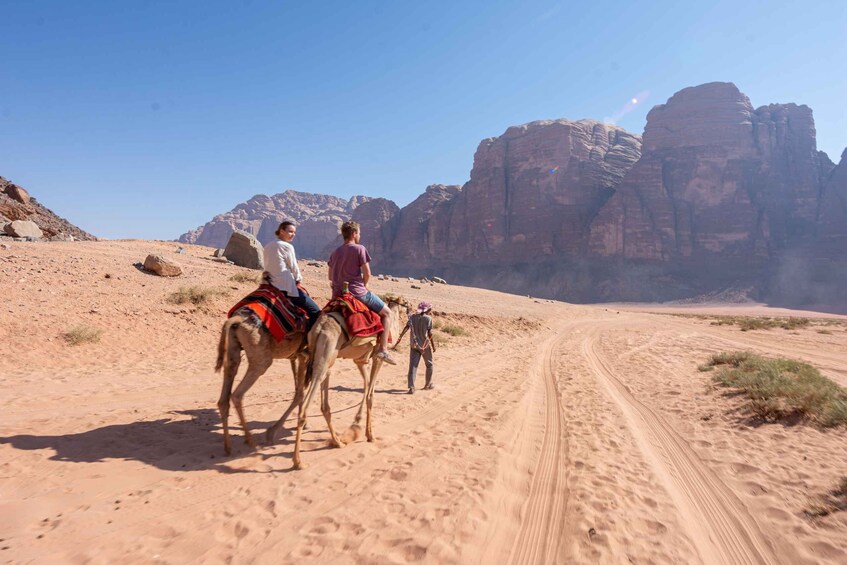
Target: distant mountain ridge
{"type": "Point", "coordinates": [317, 216]}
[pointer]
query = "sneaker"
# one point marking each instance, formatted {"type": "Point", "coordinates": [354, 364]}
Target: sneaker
{"type": "Point", "coordinates": [411, 391]}
{"type": "Point", "coordinates": [429, 386]}
{"type": "Point", "coordinates": [386, 358]}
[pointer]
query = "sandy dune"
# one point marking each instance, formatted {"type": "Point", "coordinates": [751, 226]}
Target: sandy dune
{"type": "Point", "coordinates": [556, 434]}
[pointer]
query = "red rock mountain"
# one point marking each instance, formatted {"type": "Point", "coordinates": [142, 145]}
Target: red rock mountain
{"type": "Point", "coordinates": [317, 216]}
{"type": "Point", "coordinates": [720, 194]}
{"type": "Point", "coordinates": [17, 204]}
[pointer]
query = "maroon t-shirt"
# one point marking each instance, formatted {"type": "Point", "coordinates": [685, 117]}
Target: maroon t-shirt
{"type": "Point", "coordinates": [345, 264]}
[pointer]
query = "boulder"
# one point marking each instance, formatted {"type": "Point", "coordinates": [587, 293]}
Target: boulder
{"type": "Point", "coordinates": [162, 266]}
{"type": "Point", "coordinates": [23, 228]}
{"type": "Point", "coordinates": [439, 280]}
{"type": "Point", "coordinates": [15, 192]}
{"type": "Point", "coordinates": [218, 253]}
{"type": "Point", "coordinates": [244, 250]}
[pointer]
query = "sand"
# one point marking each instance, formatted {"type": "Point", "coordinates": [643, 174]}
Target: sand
{"type": "Point", "coordinates": [556, 433]}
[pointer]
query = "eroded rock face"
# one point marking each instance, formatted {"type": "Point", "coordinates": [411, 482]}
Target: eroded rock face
{"type": "Point", "coordinates": [372, 216]}
{"type": "Point", "coordinates": [716, 178]}
{"type": "Point", "coordinates": [17, 204]}
{"type": "Point", "coordinates": [532, 194]}
{"type": "Point", "coordinates": [317, 217]}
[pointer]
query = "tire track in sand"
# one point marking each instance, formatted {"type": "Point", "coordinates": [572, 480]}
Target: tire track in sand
{"type": "Point", "coordinates": [718, 523]}
{"type": "Point", "coordinates": [539, 537]}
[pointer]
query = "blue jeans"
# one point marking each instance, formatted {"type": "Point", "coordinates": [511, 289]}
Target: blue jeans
{"type": "Point", "coordinates": [372, 301]}
{"type": "Point", "coordinates": [305, 302]}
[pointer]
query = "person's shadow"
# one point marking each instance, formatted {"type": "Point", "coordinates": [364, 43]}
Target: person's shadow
{"type": "Point", "coordinates": [170, 444]}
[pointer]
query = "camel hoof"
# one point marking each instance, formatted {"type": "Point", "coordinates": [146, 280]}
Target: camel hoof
{"type": "Point", "coordinates": [270, 436]}
{"type": "Point", "coordinates": [337, 443]}
{"type": "Point", "coordinates": [228, 450]}
{"type": "Point", "coordinates": [298, 466]}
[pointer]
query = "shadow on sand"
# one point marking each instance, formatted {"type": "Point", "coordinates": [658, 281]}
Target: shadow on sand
{"type": "Point", "coordinates": [193, 444]}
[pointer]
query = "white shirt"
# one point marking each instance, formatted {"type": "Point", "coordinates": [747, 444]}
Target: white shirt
{"type": "Point", "coordinates": [281, 263]}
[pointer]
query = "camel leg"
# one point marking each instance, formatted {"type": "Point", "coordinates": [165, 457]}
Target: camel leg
{"type": "Point", "coordinates": [364, 373]}
{"type": "Point", "coordinates": [255, 369]}
{"type": "Point", "coordinates": [230, 370]}
{"type": "Point", "coordinates": [323, 356]}
{"type": "Point", "coordinates": [299, 370]}
{"type": "Point", "coordinates": [327, 412]}
{"type": "Point", "coordinates": [375, 367]}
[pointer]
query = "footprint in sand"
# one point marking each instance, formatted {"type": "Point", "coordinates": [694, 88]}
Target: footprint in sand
{"type": "Point", "coordinates": [406, 551]}
{"type": "Point", "coordinates": [322, 525]}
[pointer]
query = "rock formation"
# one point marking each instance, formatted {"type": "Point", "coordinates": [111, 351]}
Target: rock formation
{"type": "Point", "coordinates": [17, 204]}
{"type": "Point", "coordinates": [317, 217]}
{"type": "Point", "coordinates": [719, 194]}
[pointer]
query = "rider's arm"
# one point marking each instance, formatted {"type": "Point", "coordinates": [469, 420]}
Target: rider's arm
{"type": "Point", "coordinates": [366, 273]}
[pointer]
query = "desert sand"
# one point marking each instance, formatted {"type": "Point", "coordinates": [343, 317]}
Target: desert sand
{"type": "Point", "coordinates": [556, 433]}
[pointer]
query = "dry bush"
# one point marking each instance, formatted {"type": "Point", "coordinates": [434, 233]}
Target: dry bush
{"type": "Point", "coordinates": [246, 278]}
{"type": "Point", "coordinates": [196, 295]}
{"type": "Point", "coordinates": [82, 334]}
{"type": "Point", "coordinates": [453, 330]}
{"type": "Point", "coordinates": [834, 501]}
{"type": "Point", "coordinates": [781, 388]}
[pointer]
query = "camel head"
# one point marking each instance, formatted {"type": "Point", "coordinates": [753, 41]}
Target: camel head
{"type": "Point", "coordinates": [397, 304]}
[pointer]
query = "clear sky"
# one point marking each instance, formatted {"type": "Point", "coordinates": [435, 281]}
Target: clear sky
{"type": "Point", "coordinates": [144, 119]}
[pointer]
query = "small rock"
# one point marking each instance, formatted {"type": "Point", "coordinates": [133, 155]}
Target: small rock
{"type": "Point", "coordinates": [162, 266]}
{"type": "Point", "coordinates": [180, 250]}
{"type": "Point", "coordinates": [416, 287]}
{"type": "Point", "coordinates": [439, 280]}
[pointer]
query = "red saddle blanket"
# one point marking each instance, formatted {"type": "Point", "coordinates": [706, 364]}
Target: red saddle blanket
{"type": "Point", "coordinates": [361, 320]}
{"type": "Point", "coordinates": [275, 309]}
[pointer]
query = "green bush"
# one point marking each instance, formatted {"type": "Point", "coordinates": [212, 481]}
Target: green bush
{"type": "Point", "coordinates": [780, 388]}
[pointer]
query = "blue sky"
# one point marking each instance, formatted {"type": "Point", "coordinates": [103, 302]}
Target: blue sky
{"type": "Point", "coordinates": [144, 119]}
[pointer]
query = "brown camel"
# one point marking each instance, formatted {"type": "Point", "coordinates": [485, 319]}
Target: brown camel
{"type": "Point", "coordinates": [245, 331]}
{"type": "Point", "coordinates": [327, 342]}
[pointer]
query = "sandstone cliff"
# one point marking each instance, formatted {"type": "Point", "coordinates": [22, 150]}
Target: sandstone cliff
{"type": "Point", "coordinates": [532, 194]}
{"type": "Point", "coordinates": [17, 204]}
{"type": "Point", "coordinates": [317, 216]}
{"type": "Point", "coordinates": [720, 195]}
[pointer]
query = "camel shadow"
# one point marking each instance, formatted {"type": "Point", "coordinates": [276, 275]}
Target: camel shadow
{"type": "Point", "coordinates": [170, 444]}
{"type": "Point", "coordinates": [342, 388]}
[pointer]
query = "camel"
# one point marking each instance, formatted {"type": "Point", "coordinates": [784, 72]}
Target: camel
{"type": "Point", "coordinates": [245, 331]}
{"type": "Point", "coordinates": [327, 342]}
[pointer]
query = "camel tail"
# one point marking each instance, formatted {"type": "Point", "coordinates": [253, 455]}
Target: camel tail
{"type": "Point", "coordinates": [223, 344]}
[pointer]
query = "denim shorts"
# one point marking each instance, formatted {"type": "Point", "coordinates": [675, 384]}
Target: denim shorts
{"type": "Point", "coordinates": [372, 301]}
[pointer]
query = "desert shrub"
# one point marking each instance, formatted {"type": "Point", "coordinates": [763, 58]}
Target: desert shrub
{"type": "Point", "coordinates": [795, 323]}
{"type": "Point", "coordinates": [825, 332]}
{"type": "Point", "coordinates": [246, 278]}
{"type": "Point", "coordinates": [196, 295]}
{"type": "Point", "coordinates": [453, 330]}
{"type": "Point", "coordinates": [779, 388]}
{"type": "Point", "coordinates": [834, 501]}
{"type": "Point", "coordinates": [82, 334]}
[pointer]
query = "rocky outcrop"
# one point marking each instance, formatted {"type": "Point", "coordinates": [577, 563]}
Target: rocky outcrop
{"type": "Point", "coordinates": [372, 216]}
{"type": "Point", "coordinates": [317, 216]}
{"type": "Point", "coordinates": [17, 204]}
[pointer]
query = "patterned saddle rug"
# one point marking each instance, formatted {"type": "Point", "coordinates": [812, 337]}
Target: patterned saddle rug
{"type": "Point", "coordinates": [276, 311]}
